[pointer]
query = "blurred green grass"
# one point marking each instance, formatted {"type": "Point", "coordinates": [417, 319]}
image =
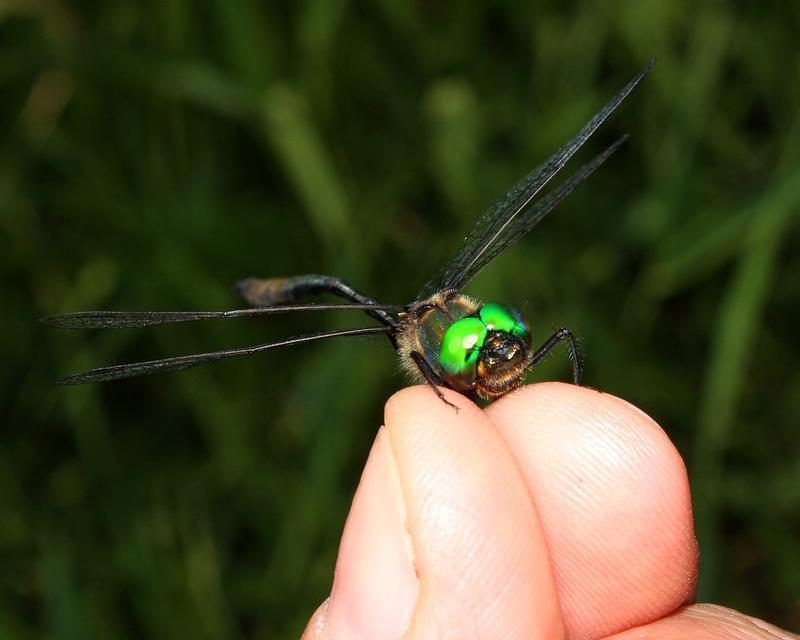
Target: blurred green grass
{"type": "Point", "coordinates": [154, 153]}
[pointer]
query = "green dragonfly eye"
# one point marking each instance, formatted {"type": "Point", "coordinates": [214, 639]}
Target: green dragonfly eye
{"type": "Point", "coordinates": [501, 317]}
{"type": "Point", "coordinates": [458, 355]}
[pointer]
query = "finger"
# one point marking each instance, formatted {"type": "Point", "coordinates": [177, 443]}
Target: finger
{"type": "Point", "coordinates": [613, 498]}
{"type": "Point", "coordinates": [375, 584]}
{"type": "Point", "coordinates": [473, 537]}
{"type": "Point", "coordinates": [707, 622]}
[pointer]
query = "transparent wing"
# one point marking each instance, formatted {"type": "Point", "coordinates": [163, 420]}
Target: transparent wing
{"type": "Point", "coordinates": [493, 224]}
{"type": "Point", "coordinates": [115, 372]}
{"type": "Point", "coordinates": [522, 224]}
{"type": "Point", "coordinates": [132, 319]}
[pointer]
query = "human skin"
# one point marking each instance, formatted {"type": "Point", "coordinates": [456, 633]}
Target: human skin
{"type": "Point", "coordinates": [556, 512]}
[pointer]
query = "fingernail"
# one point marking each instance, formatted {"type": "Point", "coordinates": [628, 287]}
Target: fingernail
{"type": "Point", "coordinates": [375, 585]}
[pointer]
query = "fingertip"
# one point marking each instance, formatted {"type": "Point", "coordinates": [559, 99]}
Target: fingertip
{"type": "Point", "coordinates": [479, 549]}
{"type": "Point", "coordinates": [613, 497]}
{"type": "Point", "coordinates": [420, 403]}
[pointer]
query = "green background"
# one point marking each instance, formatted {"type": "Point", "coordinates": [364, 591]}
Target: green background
{"type": "Point", "coordinates": [153, 153]}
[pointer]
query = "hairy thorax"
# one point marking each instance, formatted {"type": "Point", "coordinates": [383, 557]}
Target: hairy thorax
{"type": "Point", "coordinates": [421, 328]}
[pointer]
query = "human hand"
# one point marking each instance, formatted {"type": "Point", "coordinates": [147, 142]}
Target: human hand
{"type": "Point", "coordinates": [558, 512]}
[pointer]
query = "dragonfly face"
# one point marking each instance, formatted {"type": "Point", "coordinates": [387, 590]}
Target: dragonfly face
{"type": "Point", "coordinates": [505, 355]}
{"type": "Point", "coordinates": [443, 338]}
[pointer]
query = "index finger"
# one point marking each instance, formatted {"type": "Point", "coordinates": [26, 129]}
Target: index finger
{"type": "Point", "coordinates": [612, 495]}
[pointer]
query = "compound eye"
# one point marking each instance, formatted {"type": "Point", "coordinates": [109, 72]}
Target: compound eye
{"type": "Point", "coordinates": [501, 317]}
{"type": "Point", "coordinates": [458, 354]}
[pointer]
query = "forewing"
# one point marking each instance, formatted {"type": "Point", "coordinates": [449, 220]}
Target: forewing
{"type": "Point", "coordinates": [525, 222]}
{"type": "Point", "coordinates": [134, 319]}
{"type": "Point", "coordinates": [492, 225]}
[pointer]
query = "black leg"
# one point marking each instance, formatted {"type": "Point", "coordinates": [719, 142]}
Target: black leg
{"type": "Point", "coordinates": [270, 291]}
{"type": "Point", "coordinates": [430, 377]}
{"type": "Point", "coordinates": [552, 341]}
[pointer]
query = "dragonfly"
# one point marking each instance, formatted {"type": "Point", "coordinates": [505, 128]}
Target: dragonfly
{"type": "Point", "coordinates": [443, 338]}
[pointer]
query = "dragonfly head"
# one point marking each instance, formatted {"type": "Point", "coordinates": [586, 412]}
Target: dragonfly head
{"type": "Point", "coordinates": [487, 352]}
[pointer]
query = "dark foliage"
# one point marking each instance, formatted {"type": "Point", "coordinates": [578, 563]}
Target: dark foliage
{"type": "Point", "coordinates": [154, 153]}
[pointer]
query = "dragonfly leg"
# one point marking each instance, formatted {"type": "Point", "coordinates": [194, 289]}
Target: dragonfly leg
{"type": "Point", "coordinates": [430, 377]}
{"type": "Point", "coordinates": [265, 292]}
{"type": "Point", "coordinates": [574, 356]}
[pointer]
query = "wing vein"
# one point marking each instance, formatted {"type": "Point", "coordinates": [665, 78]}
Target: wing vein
{"type": "Point", "coordinates": [136, 319]}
